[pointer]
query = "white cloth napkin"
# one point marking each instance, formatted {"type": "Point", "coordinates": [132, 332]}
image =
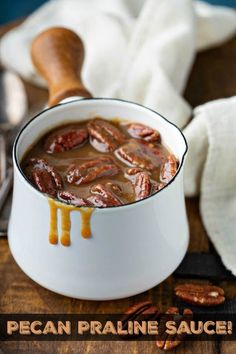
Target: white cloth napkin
{"type": "Point", "coordinates": [211, 170]}
{"type": "Point", "coordinates": [143, 50]}
{"type": "Point", "coordinates": [135, 49]}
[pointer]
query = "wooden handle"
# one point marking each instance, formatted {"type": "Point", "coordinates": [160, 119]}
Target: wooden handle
{"type": "Point", "coordinates": [58, 55]}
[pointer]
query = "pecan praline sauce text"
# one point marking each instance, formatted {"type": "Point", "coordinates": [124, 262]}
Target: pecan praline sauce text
{"type": "Point", "coordinates": [96, 163]}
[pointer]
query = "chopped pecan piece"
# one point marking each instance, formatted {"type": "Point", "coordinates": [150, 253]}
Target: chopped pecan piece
{"type": "Point", "coordinates": [200, 294]}
{"type": "Point", "coordinates": [44, 176]}
{"type": "Point", "coordinates": [141, 131]}
{"type": "Point", "coordinates": [91, 170]}
{"type": "Point", "coordinates": [65, 139]}
{"type": "Point", "coordinates": [72, 199]}
{"type": "Point", "coordinates": [104, 136]}
{"type": "Point", "coordinates": [166, 341]}
{"type": "Point", "coordinates": [169, 169]}
{"type": "Point", "coordinates": [140, 154]}
{"type": "Point", "coordinates": [103, 196]}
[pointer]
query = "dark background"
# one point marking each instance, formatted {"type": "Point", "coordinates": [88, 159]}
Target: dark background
{"type": "Point", "coordinates": [13, 9]}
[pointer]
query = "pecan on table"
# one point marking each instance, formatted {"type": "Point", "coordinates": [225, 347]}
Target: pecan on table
{"type": "Point", "coordinates": [44, 176]}
{"type": "Point", "coordinates": [142, 311]}
{"type": "Point", "coordinates": [141, 131]}
{"type": "Point", "coordinates": [140, 154]}
{"type": "Point", "coordinates": [200, 294]}
{"type": "Point", "coordinates": [104, 136]}
{"type": "Point", "coordinates": [72, 199]}
{"type": "Point", "coordinates": [169, 169]}
{"type": "Point", "coordinates": [166, 341]}
{"type": "Point", "coordinates": [134, 311]}
{"type": "Point", "coordinates": [91, 170]}
{"type": "Point", "coordinates": [104, 195]}
{"type": "Point", "coordinates": [65, 139]}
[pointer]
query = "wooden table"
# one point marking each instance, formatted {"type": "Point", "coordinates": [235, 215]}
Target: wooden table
{"type": "Point", "coordinates": [212, 77]}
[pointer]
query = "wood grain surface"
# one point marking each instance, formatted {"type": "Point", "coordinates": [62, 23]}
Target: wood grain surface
{"type": "Point", "coordinates": [213, 76]}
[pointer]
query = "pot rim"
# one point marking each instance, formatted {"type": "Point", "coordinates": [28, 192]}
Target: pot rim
{"type": "Point", "coordinates": [17, 164]}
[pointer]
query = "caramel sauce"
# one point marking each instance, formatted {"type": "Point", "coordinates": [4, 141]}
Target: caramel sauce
{"type": "Point", "coordinates": [85, 221]}
{"type": "Point", "coordinates": [66, 222]}
{"type": "Point", "coordinates": [53, 233]}
{"type": "Point", "coordinates": [61, 161]}
{"type": "Point", "coordinates": [54, 178]}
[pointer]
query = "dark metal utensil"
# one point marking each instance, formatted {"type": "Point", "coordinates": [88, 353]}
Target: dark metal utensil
{"type": "Point", "coordinates": [6, 187]}
{"type": "Point", "coordinates": [3, 227]}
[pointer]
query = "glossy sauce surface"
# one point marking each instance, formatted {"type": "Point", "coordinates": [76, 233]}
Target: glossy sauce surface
{"type": "Point", "coordinates": [96, 163]}
{"type": "Point", "coordinates": [85, 152]}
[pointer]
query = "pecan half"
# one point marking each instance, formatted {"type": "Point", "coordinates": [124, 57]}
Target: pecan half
{"type": "Point", "coordinates": [91, 170]}
{"type": "Point", "coordinates": [169, 169]}
{"type": "Point", "coordinates": [104, 136]}
{"type": "Point", "coordinates": [142, 311]}
{"type": "Point", "coordinates": [141, 131]}
{"type": "Point", "coordinates": [166, 341]}
{"type": "Point", "coordinates": [104, 196]}
{"type": "Point", "coordinates": [136, 309]}
{"type": "Point", "coordinates": [200, 294]}
{"type": "Point", "coordinates": [142, 185]}
{"type": "Point", "coordinates": [140, 154]}
{"type": "Point", "coordinates": [72, 199]}
{"type": "Point", "coordinates": [44, 176]}
{"type": "Point", "coordinates": [142, 182]}
{"type": "Point", "coordinates": [65, 139]}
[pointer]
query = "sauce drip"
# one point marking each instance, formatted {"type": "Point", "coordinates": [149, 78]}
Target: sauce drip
{"type": "Point", "coordinates": [85, 224]}
{"type": "Point", "coordinates": [66, 222]}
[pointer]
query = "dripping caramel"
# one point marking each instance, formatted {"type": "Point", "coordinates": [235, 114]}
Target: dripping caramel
{"type": "Point", "coordinates": [65, 226]}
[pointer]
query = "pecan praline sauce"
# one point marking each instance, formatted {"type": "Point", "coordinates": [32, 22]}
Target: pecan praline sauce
{"type": "Point", "coordinates": [96, 163]}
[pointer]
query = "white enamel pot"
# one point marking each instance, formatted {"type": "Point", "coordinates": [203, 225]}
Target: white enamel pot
{"type": "Point", "coordinates": [133, 247]}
